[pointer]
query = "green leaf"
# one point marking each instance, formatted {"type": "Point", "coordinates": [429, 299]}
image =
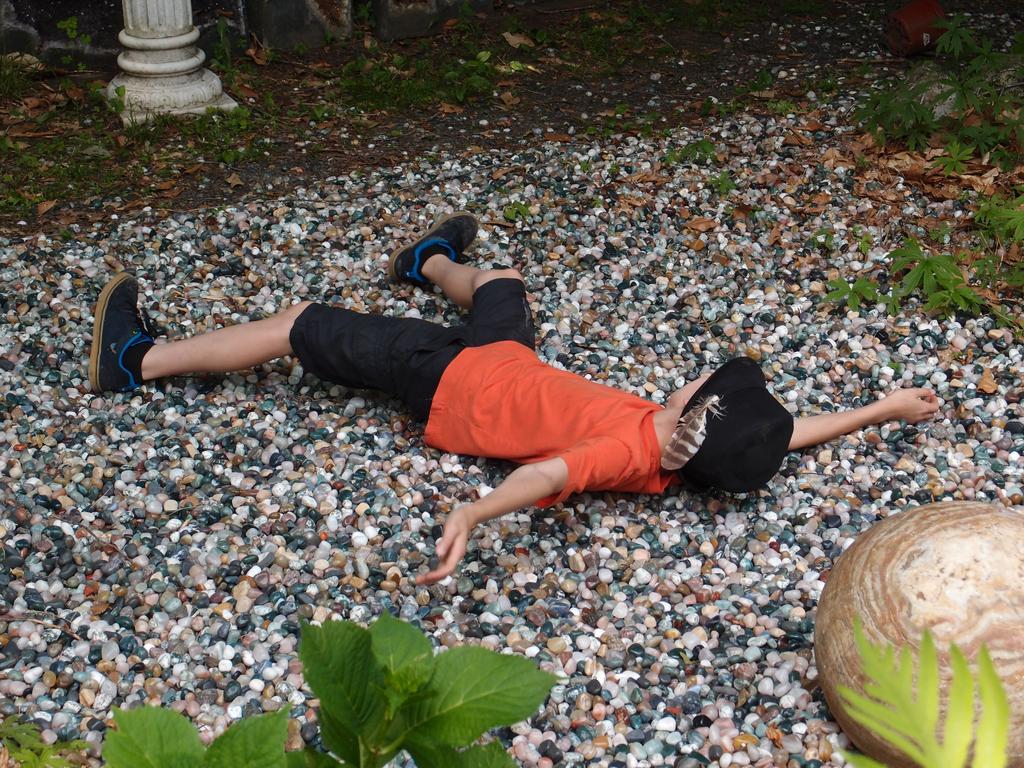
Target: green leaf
{"type": "Point", "coordinates": [888, 722]}
{"type": "Point", "coordinates": [956, 736]}
{"type": "Point", "coordinates": [310, 758]}
{"type": "Point", "coordinates": [152, 737]}
{"type": "Point", "coordinates": [254, 742]}
{"type": "Point", "coordinates": [927, 699]}
{"type": "Point", "coordinates": [993, 727]}
{"type": "Point", "coordinates": [403, 652]}
{"type": "Point", "coordinates": [474, 689]}
{"type": "Point", "coordinates": [339, 738]}
{"type": "Point", "coordinates": [491, 755]}
{"type": "Point", "coordinates": [339, 665]}
{"type": "Point", "coordinates": [862, 761]}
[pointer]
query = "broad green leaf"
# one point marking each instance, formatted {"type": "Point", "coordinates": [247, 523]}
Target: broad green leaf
{"type": "Point", "coordinates": [474, 689]}
{"type": "Point", "coordinates": [993, 726]}
{"type": "Point", "coordinates": [403, 652]}
{"type": "Point", "coordinates": [339, 665]}
{"type": "Point", "coordinates": [310, 758]}
{"type": "Point", "coordinates": [956, 737]}
{"type": "Point", "coordinates": [491, 755]}
{"type": "Point", "coordinates": [152, 737]}
{"type": "Point", "coordinates": [253, 742]}
{"type": "Point", "coordinates": [339, 738]}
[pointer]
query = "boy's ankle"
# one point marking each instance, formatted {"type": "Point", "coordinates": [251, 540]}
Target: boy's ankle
{"type": "Point", "coordinates": [430, 264]}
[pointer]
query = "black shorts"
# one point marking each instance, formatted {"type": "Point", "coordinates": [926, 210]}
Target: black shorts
{"type": "Point", "coordinates": [406, 356]}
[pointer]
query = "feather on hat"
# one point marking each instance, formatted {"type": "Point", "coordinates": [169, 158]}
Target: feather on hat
{"type": "Point", "coordinates": [689, 434]}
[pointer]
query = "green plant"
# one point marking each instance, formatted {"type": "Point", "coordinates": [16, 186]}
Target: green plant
{"type": "Point", "coordinates": [781, 107]}
{"type": "Point", "coordinates": [1002, 218]}
{"type": "Point", "coordinates": [117, 102]}
{"type": "Point", "coordinates": [153, 737]}
{"type": "Point", "coordinates": [722, 183]}
{"type": "Point", "coordinates": [221, 57]}
{"type": "Point", "coordinates": [516, 211]}
{"type": "Point", "coordinates": [906, 714]}
{"type": "Point", "coordinates": [69, 27]}
{"type": "Point", "coordinates": [983, 107]}
{"type": "Point", "coordinates": [700, 151]}
{"type": "Point", "coordinates": [864, 242]}
{"type": "Point", "coordinates": [13, 80]}
{"type": "Point", "coordinates": [954, 161]}
{"type": "Point", "coordinates": [938, 277]}
{"type": "Point", "coordinates": [759, 82]}
{"type": "Point", "coordinates": [26, 748]}
{"type": "Point", "coordinates": [823, 240]}
{"type": "Point", "coordinates": [383, 691]}
{"type": "Point", "coordinates": [853, 293]}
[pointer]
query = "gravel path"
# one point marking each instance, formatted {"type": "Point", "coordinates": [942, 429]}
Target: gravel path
{"type": "Point", "coordinates": [163, 546]}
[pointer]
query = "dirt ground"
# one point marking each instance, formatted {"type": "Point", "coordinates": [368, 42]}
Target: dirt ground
{"type": "Point", "coordinates": [560, 70]}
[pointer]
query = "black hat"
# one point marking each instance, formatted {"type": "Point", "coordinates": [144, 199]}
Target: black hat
{"type": "Point", "coordinates": [747, 434]}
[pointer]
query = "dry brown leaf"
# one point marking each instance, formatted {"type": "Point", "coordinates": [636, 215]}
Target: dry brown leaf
{"type": "Point", "coordinates": [646, 177]}
{"type": "Point", "coordinates": [257, 55]}
{"type": "Point", "coordinates": [987, 382]}
{"type": "Point", "coordinates": [701, 224]}
{"type": "Point", "coordinates": [517, 40]}
{"type": "Point", "coordinates": [44, 206]}
{"type": "Point", "coordinates": [234, 180]}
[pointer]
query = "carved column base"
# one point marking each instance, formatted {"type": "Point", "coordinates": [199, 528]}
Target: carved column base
{"type": "Point", "coordinates": [146, 97]}
{"type": "Point", "coordinates": [162, 69]}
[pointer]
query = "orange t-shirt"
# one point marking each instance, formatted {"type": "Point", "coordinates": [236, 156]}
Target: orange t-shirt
{"type": "Point", "coordinates": [502, 402]}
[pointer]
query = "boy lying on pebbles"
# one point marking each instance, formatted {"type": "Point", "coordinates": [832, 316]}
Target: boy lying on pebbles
{"type": "Point", "coordinates": [483, 392]}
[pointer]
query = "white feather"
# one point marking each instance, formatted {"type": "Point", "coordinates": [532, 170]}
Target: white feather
{"type": "Point", "coordinates": [689, 434]}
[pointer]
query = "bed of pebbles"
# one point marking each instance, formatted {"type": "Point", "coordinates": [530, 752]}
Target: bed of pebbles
{"type": "Point", "coordinates": [163, 546]}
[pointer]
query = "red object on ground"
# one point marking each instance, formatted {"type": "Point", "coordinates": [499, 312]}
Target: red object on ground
{"type": "Point", "coordinates": [912, 28]}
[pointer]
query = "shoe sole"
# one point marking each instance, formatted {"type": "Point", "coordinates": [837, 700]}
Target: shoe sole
{"type": "Point", "coordinates": [97, 328]}
{"type": "Point", "coordinates": [437, 225]}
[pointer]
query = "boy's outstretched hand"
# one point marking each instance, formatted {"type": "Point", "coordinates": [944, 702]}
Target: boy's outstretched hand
{"type": "Point", "coordinates": [452, 545]}
{"type": "Point", "coordinates": [911, 405]}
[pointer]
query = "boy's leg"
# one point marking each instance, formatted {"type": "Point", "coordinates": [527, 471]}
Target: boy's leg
{"type": "Point", "coordinates": [460, 281]}
{"type": "Point", "coordinates": [125, 353]}
{"type": "Point", "coordinates": [234, 348]}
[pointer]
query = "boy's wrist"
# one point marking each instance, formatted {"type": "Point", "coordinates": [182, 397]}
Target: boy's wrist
{"type": "Point", "coordinates": [882, 410]}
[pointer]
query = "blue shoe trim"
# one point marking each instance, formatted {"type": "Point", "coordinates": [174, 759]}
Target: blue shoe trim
{"type": "Point", "coordinates": [138, 338]}
{"type": "Point", "coordinates": [415, 273]}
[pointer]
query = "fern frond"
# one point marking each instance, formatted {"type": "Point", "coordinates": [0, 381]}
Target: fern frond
{"type": "Point", "coordinates": [993, 727]}
{"type": "Point", "coordinates": [959, 710]}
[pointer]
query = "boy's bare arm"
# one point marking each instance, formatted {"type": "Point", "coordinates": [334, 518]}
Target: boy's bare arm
{"type": "Point", "coordinates": [908, 404]}
{"type": "Point", "coordinates": [523, 487]}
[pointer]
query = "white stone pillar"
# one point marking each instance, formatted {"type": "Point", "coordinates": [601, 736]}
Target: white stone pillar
{"type": "Point", "coordinates": [162, 69]}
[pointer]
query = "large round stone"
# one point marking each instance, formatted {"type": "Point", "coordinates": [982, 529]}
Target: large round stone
{"type": "Point", "coordinates": [956, 569]}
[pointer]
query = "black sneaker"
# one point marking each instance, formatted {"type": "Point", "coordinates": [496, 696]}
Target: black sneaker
{"type": "Point", "coordinates": [451, 235]}
{"type": "Point", "coordinates": [118, 326]}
